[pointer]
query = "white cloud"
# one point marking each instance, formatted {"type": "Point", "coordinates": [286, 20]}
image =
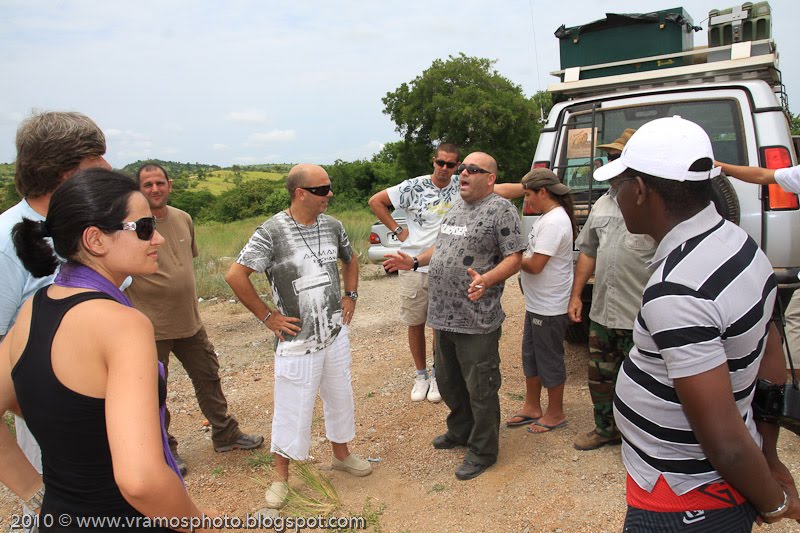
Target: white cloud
{"type": "Point", "coordinates": [128, 144]}
{"type": "Point", "coordinates": [259, 139]}
{"type": "Point", "coordinates": [374, 146]}
{"type": "Point", "coordinates": [247, 116]}
{"type": "Point", "coordinates": [219, 146]}
{"type": "Point", "coordinates": [172, 126]}
{"type": "Point", "coordinates": [246, 159]}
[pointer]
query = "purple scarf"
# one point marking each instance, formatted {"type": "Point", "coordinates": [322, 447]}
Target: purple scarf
{"type": "Point", "coordinates": [75, 275]}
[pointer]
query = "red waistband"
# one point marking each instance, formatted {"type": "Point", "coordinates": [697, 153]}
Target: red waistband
{"type": "Point", "coordinates": [718, 495]}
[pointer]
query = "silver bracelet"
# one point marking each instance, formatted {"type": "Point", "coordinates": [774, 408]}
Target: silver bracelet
{"type": "Point", "coordinates": [264, 320]}
{"type": "Point", "coordinates": [779, 510]}
{"type": "Point", "coordinates": [35, 502]}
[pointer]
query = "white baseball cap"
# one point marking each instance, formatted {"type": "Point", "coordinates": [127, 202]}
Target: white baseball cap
{"type": "Point", "coordinates": [665, 148]}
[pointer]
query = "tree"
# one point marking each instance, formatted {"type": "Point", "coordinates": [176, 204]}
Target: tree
{"type": "Point", "coordinates": [795, 124]}
{"type": "Point", "coordinates": [464, 100]}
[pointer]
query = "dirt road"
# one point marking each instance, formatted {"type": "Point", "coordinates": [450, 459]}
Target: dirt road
{"type": "Point", "coordinates": [540, 482]}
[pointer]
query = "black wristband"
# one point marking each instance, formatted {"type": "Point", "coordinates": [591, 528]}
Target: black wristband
{"type": "Point", "coordinates": [416, 263]}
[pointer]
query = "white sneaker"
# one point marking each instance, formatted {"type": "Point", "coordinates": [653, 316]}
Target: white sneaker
{"type": "Point", "coordinates": [277, 494]}
{"type": "Point", "coordinates": [420, 390]}
{"type": "Point", "coordinates": [433, 391]}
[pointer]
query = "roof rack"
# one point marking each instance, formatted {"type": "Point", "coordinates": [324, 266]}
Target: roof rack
{"type": "Point", "coordinates": [721, 63]}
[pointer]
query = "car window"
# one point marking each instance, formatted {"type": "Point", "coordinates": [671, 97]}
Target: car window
{"type": "Point", "coordinates": [585, 130]}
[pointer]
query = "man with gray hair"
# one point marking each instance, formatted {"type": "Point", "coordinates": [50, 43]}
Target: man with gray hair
{"type": "Point", "coordinates": [51, 148]}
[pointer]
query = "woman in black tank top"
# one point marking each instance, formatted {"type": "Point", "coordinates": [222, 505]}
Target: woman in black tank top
{"type": "Point", "coordinates": [80, 367]}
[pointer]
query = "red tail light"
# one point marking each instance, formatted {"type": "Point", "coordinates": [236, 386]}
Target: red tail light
{"type": "Point", "coordinates": [374, 239]}
{"type": "Point", "coordinates": [778, 157]}
{"type": "Point", "coordinates": [541, 164]}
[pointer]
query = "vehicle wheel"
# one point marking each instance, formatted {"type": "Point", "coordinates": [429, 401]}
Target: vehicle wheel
{"type": "Point", "coordinates": [578, 332]}
{"type": "Point", "coordinates": [725, 199]}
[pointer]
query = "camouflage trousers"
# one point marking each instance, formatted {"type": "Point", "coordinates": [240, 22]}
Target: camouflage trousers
{"type": "Point", "coordinates": [607, 349]}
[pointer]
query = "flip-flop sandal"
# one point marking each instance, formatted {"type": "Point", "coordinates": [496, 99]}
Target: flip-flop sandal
{"type": "Point", "coordinates": [547, 428]}
{"type": "Point", "coordinates": [524, 421]}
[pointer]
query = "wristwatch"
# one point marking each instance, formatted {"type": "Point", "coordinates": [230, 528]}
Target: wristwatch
{"type": "Point", "coordinates": [398, 230]}
{"type": "Point", "coordinates": [353, 295]}
{"type": "Point", "coordinates": [414, 263]}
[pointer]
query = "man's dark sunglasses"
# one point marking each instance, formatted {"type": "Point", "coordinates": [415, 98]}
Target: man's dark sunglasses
{"type": "Point", "coordinates": [471, 169]}
{"type": "Point", "coordinates": [321, 190]}
{"type": "Point", "coordinates": [612, 157]}
{"type": "Point", "coordinates": [443, 163]}
{"type": "Point", "coordinates": [144, 227]}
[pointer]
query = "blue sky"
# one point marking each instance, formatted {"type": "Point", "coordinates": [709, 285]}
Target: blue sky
{"type": "Point", "coordinates": [244, 82]}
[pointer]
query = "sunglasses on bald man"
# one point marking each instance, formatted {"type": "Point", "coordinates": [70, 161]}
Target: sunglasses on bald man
{"type": "Point", "coordinates": [320, 190]}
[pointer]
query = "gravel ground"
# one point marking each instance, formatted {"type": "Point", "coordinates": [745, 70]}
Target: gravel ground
{"type": "Point", "coordinates": [540, 483]}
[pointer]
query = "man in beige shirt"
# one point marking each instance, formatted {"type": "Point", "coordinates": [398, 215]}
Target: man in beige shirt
{"type": "Point", "coordinates": [169, 299]}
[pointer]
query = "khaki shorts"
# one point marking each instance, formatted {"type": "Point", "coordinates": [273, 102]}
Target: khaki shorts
{"type": "Point", "coordinates": [413, 297]}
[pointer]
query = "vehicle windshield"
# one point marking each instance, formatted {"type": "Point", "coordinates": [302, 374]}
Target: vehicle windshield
{"type": "Point", "coordinates": [585, 130]}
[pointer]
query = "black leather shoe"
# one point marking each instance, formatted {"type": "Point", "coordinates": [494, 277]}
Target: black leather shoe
{"type": "Point", "coordinates": [443, 442]}
{"type": "Point", "coordinates": [468, 470]}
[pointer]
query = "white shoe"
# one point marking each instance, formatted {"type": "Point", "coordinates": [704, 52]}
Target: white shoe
{"type": "Point", "coordinates": [354, 465]}
{"type": "Point", "coordinates": [433, 391]}
{"type": "Point", "coordinates": [277, 494]}
{"type": "Point", "coordinates": [420, 390]}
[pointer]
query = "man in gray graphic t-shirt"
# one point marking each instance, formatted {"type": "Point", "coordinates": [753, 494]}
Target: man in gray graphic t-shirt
{"type": "Point", "coordinates": [299, 250]}
{"type": "Point", "coordinates": [479, 246]}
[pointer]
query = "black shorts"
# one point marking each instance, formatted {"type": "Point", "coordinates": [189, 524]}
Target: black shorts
{"type": "Point", "coordinates": [737, 519]}
{"type": "Point", "coordinates": [543, 348]}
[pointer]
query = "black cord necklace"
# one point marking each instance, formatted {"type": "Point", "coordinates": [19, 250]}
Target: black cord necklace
{"type": "Point", "coordinates": [318, 255]}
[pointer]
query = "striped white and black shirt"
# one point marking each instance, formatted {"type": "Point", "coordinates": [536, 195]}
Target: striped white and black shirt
{"type": "Point", "coordinates": [708, 302]}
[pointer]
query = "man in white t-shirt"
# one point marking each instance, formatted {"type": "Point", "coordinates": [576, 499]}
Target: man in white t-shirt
{"type": "Point", "coordinates": [425, 199]}
{"type": "Point", "coordinates": [789, 180]}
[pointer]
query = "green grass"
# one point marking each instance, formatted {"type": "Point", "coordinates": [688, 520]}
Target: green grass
{"type": "Point", "coordinates": [217, 472]}
{"type": "Point", "coordinates": [260, 459]}
{"type": "Point", "coordinates": [219, 245]}
{"type": "Point", "coordinates": [220, 181]}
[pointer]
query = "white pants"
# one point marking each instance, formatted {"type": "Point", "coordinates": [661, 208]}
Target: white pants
{"type": "Point", "coordinates": [297, 381]}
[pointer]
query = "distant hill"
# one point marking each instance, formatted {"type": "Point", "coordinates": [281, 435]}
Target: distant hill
{"type": "Point", "coordinates": [173, 168]}
{"type": "Point", "coordinates": [212, 178]}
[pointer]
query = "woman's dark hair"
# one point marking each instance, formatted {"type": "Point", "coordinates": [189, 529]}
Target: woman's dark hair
{"type": "Point", "coordinates": [94, 197]}
{"type": "Point", "coordinates": [565, 201]}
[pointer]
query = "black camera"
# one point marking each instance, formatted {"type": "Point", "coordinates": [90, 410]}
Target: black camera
{"type": "Point", "coordinates": [777, 404]}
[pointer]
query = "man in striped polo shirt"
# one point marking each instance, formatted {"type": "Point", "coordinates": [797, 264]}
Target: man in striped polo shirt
{"type": "Point", "coordinates": [695, 459]}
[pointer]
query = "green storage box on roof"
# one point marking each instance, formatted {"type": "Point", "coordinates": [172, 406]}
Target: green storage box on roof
{"type": "Point", "coordinates": [622, 36]}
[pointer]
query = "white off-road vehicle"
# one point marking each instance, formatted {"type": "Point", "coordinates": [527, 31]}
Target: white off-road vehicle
{"type": "Point", "coordinates": [733, 91]}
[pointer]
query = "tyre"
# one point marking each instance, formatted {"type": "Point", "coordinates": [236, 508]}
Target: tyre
{"type": "Point", "coordinates": [725, 199]}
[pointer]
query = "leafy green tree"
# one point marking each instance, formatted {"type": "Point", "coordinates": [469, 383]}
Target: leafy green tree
{"type": "Point", "coordinates": [8, 195]}
{"type": "Point", "coordinates": [355, 181]}
{"type": "Point", "coordinates": [390, 153]}
{"type": "Point", "coordinates": [245, 200]}
{"type": "Point", "coordinates": [194, 203]}
{"type": "Point", "coordinates": [795, 124]}
{"type": "Point", "coordinates": [464, 100]}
